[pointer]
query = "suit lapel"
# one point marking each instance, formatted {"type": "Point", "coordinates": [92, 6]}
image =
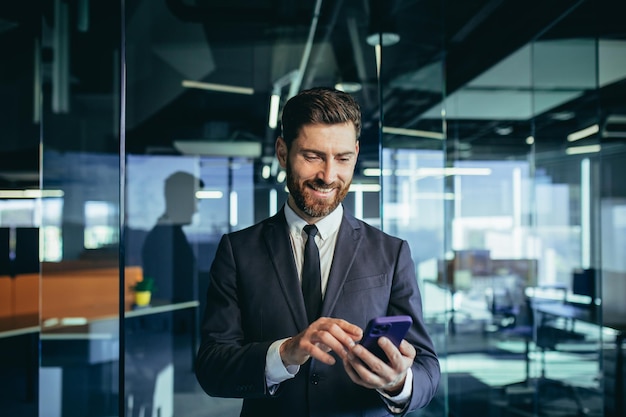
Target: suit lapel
{"type": "Point", "coordinates": [278, 243]}
{"type": "Point", "coordinates": [348, 242]}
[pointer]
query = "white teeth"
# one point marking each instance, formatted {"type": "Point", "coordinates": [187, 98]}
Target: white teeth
{"type": "Point", "coordinates": [323, 190]}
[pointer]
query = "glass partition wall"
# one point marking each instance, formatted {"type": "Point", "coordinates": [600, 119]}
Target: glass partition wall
{"type": "Point", "coordinates": [80, 267]}
{"type": "Point", "coordinates": [412, 163]}
{"type": "Point", "coordinates": [60, 199]}
{"type": "Point", "coordinates": [20, 214]}
{"type": "Point", "coordinates": [136, 133]}
{"type": "Point", "coordinates": [513, 253]}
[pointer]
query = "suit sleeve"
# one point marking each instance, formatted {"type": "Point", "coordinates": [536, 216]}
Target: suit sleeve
{"type": "Point", "coordinates": [406, 299]}
{"type": "Point", "coordinates": [226, 366]}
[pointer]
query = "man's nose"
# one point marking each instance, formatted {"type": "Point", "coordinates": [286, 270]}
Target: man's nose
{"type": "Point", "coordinates": [328, 173]}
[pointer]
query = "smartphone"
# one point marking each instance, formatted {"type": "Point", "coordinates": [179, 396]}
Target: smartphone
{"type": "Point", "coordinates": [393, 328]}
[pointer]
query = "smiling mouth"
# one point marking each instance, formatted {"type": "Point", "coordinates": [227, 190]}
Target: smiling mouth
{"type": "Point", "coordinates": [323, 191]}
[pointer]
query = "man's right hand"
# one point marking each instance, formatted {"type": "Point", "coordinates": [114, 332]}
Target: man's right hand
{"type": "Point", "coordinates": [322, 336]}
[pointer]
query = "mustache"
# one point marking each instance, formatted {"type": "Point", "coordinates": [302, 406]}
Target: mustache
{"type": "Point", "coordinates": [318, 183]}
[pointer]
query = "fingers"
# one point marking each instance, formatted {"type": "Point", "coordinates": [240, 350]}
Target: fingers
{"type": "Point", "coordinates": [341, 328]}
{"type": "Point", "coordinates": [338, 334]}
{"type": "Point", "coordinates": [334, 335]}
{"type": "Point", "coordinates": [319, 339]}
{"type": "Point", "coordinates": [358, 371]}
{"type": "Point", "coordinates": [367, 370]}
{"type": "Point", "coordinates": [408, 350]}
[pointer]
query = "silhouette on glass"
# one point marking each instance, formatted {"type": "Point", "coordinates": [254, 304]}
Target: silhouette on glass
{"type": "Point", "coordinates": [167, 256]}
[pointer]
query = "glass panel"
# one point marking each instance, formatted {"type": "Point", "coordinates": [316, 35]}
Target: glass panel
{"type": "Point", "coordinates": [525, 234]}
{"type": "Point", "coordinates": [178, 209]}
{"type": "Point", "coordinates": [80, 164]}
{"type": "Point", "coordinates": [500, 219]}
{"type": "Point", "coordinates": [412, 163]}
{"type": "Point", "coordinates": [20, 208]}
{"type": "Point", "coordinates": [608, 204]}
{"type": "Point", "coordinates": [571, 67]}
{"type": "Point", "coordinates": [189, 179]}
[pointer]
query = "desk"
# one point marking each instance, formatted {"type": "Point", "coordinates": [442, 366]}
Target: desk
{"type": "Point", "coordinates": [81, 362]}
{"type": "Point", "coordinates": [586, 314]}
{"type": "Point", "coordinates": [19, 324]}
{"type": "Point", "coordinates": [79, 328]}
{"type": "Point", "coordinates": [593, 315]}
{"type": "Point", "coordinates": [58, 329]}
{"type": "Point", "coordinates": [27, 338]}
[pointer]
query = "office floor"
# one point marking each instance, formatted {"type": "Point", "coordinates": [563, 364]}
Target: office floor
{"type": "Point", "coordinates": [495, 366]}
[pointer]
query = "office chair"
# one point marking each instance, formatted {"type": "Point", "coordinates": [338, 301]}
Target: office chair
{"type": "Point", "coordinates": [511, 320]}
{"type": "Point", "coordinates": [518, 321]}
{"type": "Point", "coordinates": [547, 337]}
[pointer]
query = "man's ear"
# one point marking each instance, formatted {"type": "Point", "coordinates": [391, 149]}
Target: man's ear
{"type": "Point", "coordinates": [281, 152]}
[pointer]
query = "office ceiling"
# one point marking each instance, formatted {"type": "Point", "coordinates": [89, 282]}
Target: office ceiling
{"type": "Point", "coordinates": [255, 45]}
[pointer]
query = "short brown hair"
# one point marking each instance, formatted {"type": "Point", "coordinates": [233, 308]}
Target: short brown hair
{"type": "Point", "coordinates": [320, 105]}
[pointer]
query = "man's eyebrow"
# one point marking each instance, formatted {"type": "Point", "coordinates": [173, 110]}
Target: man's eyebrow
{"type": "Point", "coordinates": [318, 152]}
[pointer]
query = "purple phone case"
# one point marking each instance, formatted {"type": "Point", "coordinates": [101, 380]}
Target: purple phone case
{"type": "Point", "coordinates": [392, 327]}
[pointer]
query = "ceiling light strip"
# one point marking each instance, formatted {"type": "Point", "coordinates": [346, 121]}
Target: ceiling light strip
{"type": "Point", "coordinates": [274, 108]}
{"type": "Point", "coordinates": [208, 194]}
{"type": "Point", "coordinates": [577, 150]}
{"type": "Point", "coordinates": [10, 194]}
{"type": "Point", "coordinates": [370, 188]}
{"type": "Point", "coordinates": [413, 132]}
{"type": "Point", "coordinates": [583, 133]}
{"type": "Point", "coordinates": [218, 87]}
{"type": "Point", "coordinates": [427, 172]}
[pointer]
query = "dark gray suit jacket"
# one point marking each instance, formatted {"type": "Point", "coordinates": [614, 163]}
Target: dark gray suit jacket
{"type": "Point", "coordinates": [254, 298]}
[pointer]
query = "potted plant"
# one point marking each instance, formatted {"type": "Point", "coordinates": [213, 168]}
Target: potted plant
{"type": "Point", "coordinates": [143, 291]}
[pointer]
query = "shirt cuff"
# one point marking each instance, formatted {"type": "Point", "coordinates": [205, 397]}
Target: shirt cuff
{"type": "Point", "coordinates": [398, 403]}
{"type": "Point", "coordinates": [275, 370]}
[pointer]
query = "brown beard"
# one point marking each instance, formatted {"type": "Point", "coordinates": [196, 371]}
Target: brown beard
{"type": "Point", "coordinates": [309, 205]}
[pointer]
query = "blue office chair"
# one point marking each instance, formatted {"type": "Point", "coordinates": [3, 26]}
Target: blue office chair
{"type": "Point", "coordinates": [511, 320]}
{"type": "Point", "coordinates": [518, 321]}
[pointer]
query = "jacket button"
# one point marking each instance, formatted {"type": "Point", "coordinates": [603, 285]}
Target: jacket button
{"type": "Point", "coordinates": [315, 379]}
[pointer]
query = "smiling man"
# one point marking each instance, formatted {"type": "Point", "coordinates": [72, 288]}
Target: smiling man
{"type": "Point", "coordinates": [265, 338]}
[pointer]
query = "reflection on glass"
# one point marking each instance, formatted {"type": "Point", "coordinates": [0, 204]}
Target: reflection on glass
{"type": "Point", "coordinates": [20, 212]}
{"type": "Point", "coordinates": [52, 242]}
{"type": "Point", "coordinates": [167, 256]}
{"type": "Point", "coordinates": [101, 228]}
{"type": "Point", "coordinates": [79, 165]}
{"type": "Point", "coordinates": [178, 208]}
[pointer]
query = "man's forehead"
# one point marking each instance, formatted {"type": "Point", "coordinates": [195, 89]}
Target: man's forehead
{"type": "Point", "coordinates": [339, 131]}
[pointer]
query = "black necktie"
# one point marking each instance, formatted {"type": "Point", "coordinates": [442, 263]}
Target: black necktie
{"type": "Point", "coordinates": [311, 275]}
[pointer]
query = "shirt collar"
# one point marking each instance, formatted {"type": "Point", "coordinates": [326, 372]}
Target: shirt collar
{"type": "Point", "coordinates": [325, 226]}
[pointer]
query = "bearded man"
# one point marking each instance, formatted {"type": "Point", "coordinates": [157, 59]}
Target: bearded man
{"type": "Point", "coordinates": [288, 344]}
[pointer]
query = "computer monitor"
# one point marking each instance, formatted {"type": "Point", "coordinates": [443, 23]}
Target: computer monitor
{"type": "Point", "coordinates": [477, 261]}
{"type": "Point", "coordinates": [584, 283]}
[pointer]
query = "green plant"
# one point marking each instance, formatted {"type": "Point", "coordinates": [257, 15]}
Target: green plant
{"type": "Point", "coordinates": [146, 284]}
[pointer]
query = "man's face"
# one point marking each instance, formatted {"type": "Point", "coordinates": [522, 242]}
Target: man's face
{"type": "Point", "coordinates": [319, 166]}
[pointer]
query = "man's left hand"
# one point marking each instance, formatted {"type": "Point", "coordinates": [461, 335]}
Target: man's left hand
{"type": "Point", "coordinates": [365, 369]}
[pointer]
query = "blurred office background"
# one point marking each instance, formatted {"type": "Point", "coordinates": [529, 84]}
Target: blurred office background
{"type": "Point", "coordinates": [494, 142]}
